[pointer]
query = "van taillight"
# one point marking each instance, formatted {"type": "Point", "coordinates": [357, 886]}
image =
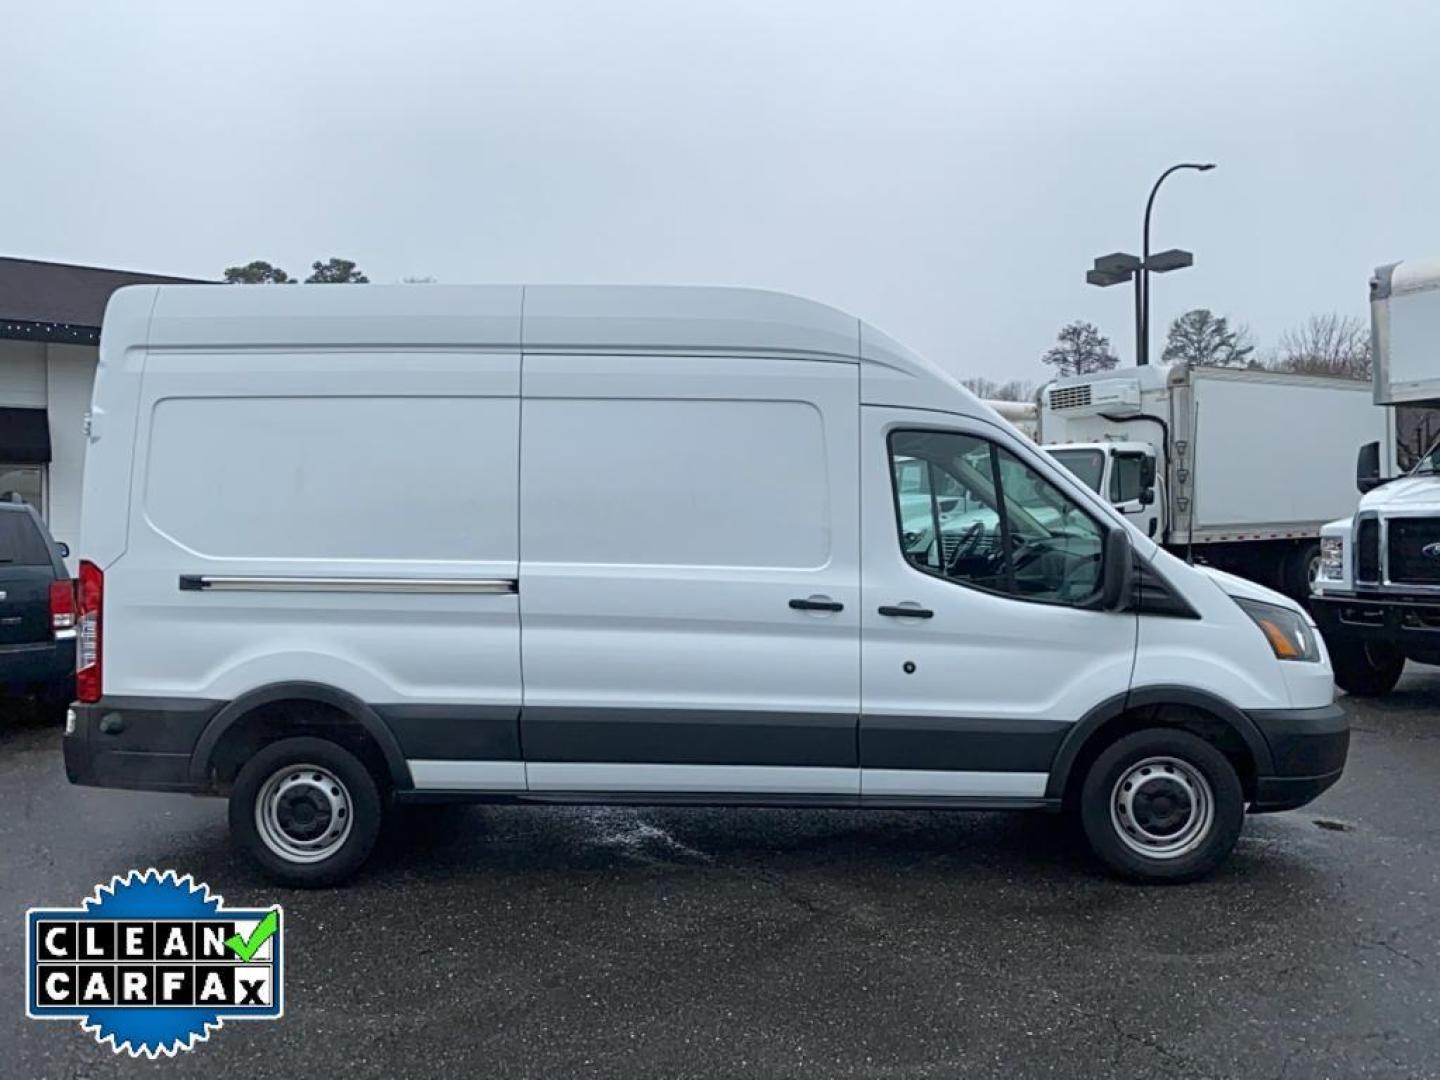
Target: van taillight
{"type": "Point", "coordinates": [87, 641]}
{"type": "Point", "coordinates": [62, 608]}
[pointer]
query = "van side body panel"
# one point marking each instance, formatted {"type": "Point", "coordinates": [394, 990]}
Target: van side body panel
{"type": "Point", "coordinates": [672, 508]}
{"type": "Point", "coordinates": [344, 516]}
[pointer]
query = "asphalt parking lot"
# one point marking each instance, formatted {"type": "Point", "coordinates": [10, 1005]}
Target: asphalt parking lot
{"type": "Point", "coordinates": [673, 943]}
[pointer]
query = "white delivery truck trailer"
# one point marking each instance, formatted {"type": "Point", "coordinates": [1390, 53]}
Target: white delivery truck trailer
{"type": "Point", "coordinates": [1236, 468]}
{"type": "Point", "coordinates": [1377, 597]}
{"type": "Point", "coordinates": [1024, 415]}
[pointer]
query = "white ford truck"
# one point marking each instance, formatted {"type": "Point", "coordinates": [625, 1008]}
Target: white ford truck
{"type": "Point", "coordinates": [1377, 597]}
{"type": "Point", "coordinates": [1237, 469]}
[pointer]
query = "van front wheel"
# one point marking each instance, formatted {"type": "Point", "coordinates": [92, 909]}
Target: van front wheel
{"type": "Point", "coordinates": [307, 810]}
{"type": "Point", "coordinates": [1162, 805]}
{"type": "Point", "coordinates": [1366, 668]}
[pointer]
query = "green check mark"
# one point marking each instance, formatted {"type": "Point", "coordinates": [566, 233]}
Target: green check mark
{"type": "Point", "coordinates": [245, 948]}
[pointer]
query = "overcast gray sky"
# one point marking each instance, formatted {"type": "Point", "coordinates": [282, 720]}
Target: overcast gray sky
{"type": "Point", "coordinates": [946, 170]}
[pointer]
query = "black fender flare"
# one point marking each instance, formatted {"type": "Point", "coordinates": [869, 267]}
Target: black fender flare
{"type": "Point", "coordinates": [235, 711]}
{"type": "Point", "coordinates": [1088, 725]}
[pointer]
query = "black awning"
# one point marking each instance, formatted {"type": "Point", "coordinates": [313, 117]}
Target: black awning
{"type": "Point", "coordinates": [24, 437]}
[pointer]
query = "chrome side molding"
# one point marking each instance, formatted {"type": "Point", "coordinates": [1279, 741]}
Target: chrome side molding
{"type": "Point", "coordinates": [209, 583]}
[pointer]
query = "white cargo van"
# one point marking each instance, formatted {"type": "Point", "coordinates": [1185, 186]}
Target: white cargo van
{"type": "Point", "coordinates": [349, 546]}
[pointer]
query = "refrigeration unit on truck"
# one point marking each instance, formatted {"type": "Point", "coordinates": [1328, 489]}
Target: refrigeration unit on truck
{"type": "Point", "coordinates": [1235, 467]}
{"type": "Point", "coordinates": [1377, 598]}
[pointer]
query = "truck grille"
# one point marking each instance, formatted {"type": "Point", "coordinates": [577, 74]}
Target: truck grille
{"type": "Point", "coordinates": [1070, 397]}
{"type": "Point", "coordinates": [1367, 551]}
{"type": "Point", "coordinates": [1409, 537]}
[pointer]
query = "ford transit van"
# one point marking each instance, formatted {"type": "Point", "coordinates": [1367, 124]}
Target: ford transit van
{"type": "Point", "coordinates": [347, 547]}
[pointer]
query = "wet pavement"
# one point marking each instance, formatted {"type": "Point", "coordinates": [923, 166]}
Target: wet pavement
{"type": "Point", "coordinates": [518, 942]}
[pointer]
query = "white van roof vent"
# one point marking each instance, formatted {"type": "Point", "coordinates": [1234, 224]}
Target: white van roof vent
{"type": "Point", "coordinates": [1119, 396]}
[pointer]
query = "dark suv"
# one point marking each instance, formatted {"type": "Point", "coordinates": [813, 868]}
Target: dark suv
{"type": "Point", "coordinates": [37, 610]}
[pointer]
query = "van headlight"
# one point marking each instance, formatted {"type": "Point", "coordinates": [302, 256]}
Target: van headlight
{"type": "Point", "coordinates": [1289, 635]}
{"type": "Point", "coordinates": [1332, 557]}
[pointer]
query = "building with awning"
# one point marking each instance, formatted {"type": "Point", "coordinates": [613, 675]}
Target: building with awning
{"type": "Point", "coordinates": [50, 316]}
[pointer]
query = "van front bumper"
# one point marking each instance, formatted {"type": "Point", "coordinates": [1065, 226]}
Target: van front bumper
{"type": "Point", "coordinates": [114, 744]}
{"type": "Point", "coordinates": [1308, 748]}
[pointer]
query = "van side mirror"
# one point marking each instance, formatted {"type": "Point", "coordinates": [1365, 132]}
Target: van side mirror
{"type": "Point", "coordinates": [1147, 475]}
{"type": "Point", "coordinates": [1367, 467]}
{"type": "Point", "coordinates": [1118, 570]}
{"type": "Point", "coordinates": [63, 548]}
{"type": "Point", "coordinates": [1147, 496]}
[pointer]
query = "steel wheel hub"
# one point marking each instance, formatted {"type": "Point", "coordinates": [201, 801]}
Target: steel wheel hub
{"type": "Point", "coordinates": [1162, 808]}
{"type": "Point", "coordinates": [303, 813]}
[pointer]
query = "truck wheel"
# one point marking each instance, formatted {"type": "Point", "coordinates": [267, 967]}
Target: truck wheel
{"type": "Point", "coordinates": [1162, 805]}
{"type": "Point", "coordinates": [1299, 570]}
{"type": "Point", "coordinates": [1366, 668]}
{"type": "Point", "coordinates": [307, 810]}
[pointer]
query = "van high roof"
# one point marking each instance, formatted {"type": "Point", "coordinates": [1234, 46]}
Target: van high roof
{"type": "Point", "coordinates": [615, 319]}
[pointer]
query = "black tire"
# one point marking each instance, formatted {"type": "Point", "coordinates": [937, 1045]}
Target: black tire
{"type": "Point", "coordinates": [1366, 668]}
{"type": "Point", "coordinates": [1199, 769]}
{"type": "Point", "coordinates": [1298, 570]}
{"type": "Point", "coordinates": [306, 771]}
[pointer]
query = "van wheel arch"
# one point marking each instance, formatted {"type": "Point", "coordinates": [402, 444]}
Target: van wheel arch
{"type": "Point", "coordinates": [1203, 714]}
{"type": "Point", "coordinates": [328, 712]}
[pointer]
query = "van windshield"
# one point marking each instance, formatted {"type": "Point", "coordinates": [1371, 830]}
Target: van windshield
{"type": "Point", "coordinates": [1087, 465]}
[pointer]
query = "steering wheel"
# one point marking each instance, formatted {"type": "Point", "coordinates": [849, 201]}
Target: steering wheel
{"type": "Point", "coordinates": [1024, 552]}
{"type": "Point", "coordinates": [964, 546]}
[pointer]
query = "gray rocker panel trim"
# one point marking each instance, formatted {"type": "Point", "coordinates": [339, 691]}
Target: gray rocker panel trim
{"type": "Point", "coordinates": [689, 736]}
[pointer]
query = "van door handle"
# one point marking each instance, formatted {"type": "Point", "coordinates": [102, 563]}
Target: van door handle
{"type": "Point", "coordinates": [817, 605]}
{"type": "Point", "coordinates": [896, 612]}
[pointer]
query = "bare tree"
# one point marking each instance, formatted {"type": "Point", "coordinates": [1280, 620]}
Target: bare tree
{"type": "Point", "coordinates": [1080, 349]}
{"type": "Point", "coordinates": [993, 390]}
{"type": "Point", "coordinates": [983, 388]}
{"type": "Point", "coordinates": [1329, 344]}
{"type": "Point", "coordinates": [1016, 390]}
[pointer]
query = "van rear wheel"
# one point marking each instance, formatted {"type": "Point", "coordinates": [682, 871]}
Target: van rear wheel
{"type": "Point", "coordinates": [1162, 805]}
{"type": "Point", "coordinates": [307, 810]}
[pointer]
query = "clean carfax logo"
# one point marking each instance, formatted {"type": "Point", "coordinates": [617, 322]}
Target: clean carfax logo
{"type": "Point", "coordinates": [152, 963]}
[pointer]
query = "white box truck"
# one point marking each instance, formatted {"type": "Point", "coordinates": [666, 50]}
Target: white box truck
{"type": "Point", "coordinates": [1236, 468]}
{"type": "Point", "coordinates": [349, 546]}
{"type": "Point", "coordinates": [1378, 593]}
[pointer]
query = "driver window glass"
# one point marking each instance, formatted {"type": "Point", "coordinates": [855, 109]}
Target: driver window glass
{"type": "Point", "coordinates": [1000, 525]}
{"type": "Point", "coordinates": [1125, 478]}
{"type": "Point", "coordinates": [1056, 546]}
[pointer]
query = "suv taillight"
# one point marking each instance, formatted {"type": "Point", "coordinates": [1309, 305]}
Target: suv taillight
{"type": "Point", "coordinates": [87, 644]}
{"type": "Point", "coordinates": [62, 608]}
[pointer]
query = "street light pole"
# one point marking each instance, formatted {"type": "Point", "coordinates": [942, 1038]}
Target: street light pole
{"type": "Point", "coordinates": [1139, 315]}
{"type": "Point", "coordinates": [1143, 277]}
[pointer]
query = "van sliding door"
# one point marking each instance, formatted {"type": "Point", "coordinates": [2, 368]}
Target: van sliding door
{"type": "Point", "coordinates": [689, 575]}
